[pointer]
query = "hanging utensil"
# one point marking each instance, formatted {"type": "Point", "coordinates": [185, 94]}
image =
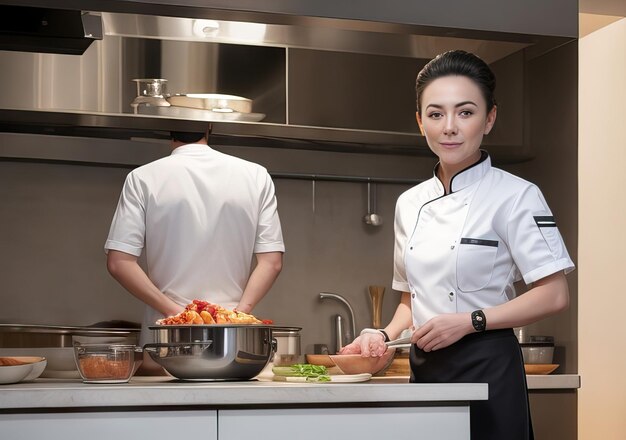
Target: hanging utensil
{"type": "Point", "coordinates": [313, 194]}
{"type": "Point", "coordinates": [371, 218]}
{"type": "Point", "coordinates": [376, 294]}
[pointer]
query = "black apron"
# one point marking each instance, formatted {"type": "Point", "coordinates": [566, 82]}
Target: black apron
{"type": "Point", "coordinates": [492, 357]}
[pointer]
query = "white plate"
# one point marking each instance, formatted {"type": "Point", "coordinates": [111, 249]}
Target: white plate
{"type": "Point", "coordinates": [207, 115]}
{"type": "Point", "coordinates": [339, 378]}
{"type": "Point", "coordinates": [363, 377]}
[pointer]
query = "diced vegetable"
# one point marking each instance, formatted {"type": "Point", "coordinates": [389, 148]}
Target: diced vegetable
{"type": "Point", "coordinates": [313, 373]}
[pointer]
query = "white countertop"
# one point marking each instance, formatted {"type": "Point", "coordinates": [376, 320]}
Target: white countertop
{"type": "Point", "coordinates": [164, 391]}
{"type": "Point", "coordinates": [537, 382]}
{"type": "Point", "coordinates": [552, 381]}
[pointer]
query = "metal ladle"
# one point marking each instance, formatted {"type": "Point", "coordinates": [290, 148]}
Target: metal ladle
{"type": "Point", "coordinates": [372, 218]}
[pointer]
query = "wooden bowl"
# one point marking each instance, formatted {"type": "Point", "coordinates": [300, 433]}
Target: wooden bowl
{"type": "Point", "coordinates": [540, 368]}
{"type": "Point", "coordinates": [399, 366]}
{"type": "Point", "coordinates": [357, 364]}
{"type": "Point", "coordinates": [320, 359]}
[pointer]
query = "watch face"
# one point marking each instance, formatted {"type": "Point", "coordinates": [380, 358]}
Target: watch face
{"type": "Point", "coordinates": [478, 320]}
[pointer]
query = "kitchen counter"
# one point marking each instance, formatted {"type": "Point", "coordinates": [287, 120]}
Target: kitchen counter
{"type": "Point", "coordinates": [163, 407]}
{"type": "Point", "coordinates": [165, 391]}
{"type": "Point", "coordinates": [552, 381]}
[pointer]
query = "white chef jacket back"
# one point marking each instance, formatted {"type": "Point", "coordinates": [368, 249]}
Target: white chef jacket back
{"type": "Point", "coordinates": [463, 251]}
{"type": "Point", "coordinates": [201, 215]}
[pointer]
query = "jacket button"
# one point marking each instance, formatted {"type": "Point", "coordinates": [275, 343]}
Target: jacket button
{"type": "Point", "coordinates": [411, 248]}
{"type": "Point", "coordinates": [412, 295]}
{"type": "Point", "coordinates": [451, 296]}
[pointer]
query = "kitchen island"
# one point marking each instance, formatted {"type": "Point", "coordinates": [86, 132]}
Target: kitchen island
{"type": "Point", "coordinates": [160, 407]}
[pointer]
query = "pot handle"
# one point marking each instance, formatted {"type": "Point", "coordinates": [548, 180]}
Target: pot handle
{"type": "Point", "coordinates": [153, 347]}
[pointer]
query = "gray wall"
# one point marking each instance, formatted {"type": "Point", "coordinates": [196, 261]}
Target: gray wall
{"type": "Point", "coordinates": [55, 218]}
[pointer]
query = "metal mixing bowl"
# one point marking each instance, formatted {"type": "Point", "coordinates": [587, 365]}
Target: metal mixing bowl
{"type": "Point", "coordinates": [212, 352]}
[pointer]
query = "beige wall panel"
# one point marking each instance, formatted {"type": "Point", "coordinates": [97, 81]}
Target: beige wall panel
{"type": "Point", "coordinates": [602, 219]}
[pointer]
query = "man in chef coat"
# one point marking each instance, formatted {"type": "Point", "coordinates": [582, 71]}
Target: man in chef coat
{"type": "Point", "coordinates": [200, 216]}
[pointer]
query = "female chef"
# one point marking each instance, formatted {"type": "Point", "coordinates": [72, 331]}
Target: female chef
{"type": "Point", "coordinates": [462, 238]}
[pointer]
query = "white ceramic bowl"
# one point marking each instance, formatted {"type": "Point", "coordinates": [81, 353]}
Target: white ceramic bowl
{"type": "Point", "coordinates": [39, 365]}
{"type": "Point", "coordinates": [30, 369]}
{"type": "Point", "coordinates": [60, 360]}
{"type": "Point", "coordinates": [537, 354]}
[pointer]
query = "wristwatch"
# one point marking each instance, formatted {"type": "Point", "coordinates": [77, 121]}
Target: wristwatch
{"type": "Point", "coordinates": [385, 335]}
{"type": "Point", "coordinates": [479, 321]}
{"type": "Point", "coordinates": [376, 331]}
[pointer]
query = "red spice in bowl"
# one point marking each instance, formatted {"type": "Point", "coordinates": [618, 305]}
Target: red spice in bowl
{"type": "Point", "coordinates": [99, 367]}
{"type": "Point", "coordinates": [105, 363]}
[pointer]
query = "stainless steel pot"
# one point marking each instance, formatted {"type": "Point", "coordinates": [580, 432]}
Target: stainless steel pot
{"type": "Point", "coordinates": [288, 351]}
{"type": "Point", "coordinates": [212, 352]}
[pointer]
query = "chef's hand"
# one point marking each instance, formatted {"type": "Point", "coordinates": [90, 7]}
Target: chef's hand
{"type": "Point", "coordinates": [367, 345]}
{"type": "Point", "coordinates": [442, 331]}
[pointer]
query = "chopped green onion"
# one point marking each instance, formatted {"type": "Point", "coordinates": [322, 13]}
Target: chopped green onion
{"type": "Point", "coordinates": [313, 373]}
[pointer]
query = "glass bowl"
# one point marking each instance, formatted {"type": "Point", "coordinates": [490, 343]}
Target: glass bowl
{"type": "Point", "coordinates": [106, 363]}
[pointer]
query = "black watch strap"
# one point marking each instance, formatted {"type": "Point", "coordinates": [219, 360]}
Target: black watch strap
{"type": "Point", "coordinates": [385, 335]}
{"type": "Point", "coordinates": [479, 321]}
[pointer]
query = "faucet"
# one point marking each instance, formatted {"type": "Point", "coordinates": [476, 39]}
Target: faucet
{"type": "Point", "coordinates": [329, 295]}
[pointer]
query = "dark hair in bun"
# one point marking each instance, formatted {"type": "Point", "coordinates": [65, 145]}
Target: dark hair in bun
{"type": "Point", "coordinates": [461, 63]}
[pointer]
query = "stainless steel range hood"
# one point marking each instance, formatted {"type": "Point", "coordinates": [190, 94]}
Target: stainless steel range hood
{"type": "Point", "coordinates": [323, 83]}
{"type": "Point", "coordinates": [48, 30]}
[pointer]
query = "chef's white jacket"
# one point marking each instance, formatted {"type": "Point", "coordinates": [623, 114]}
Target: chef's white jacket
{"type": "Point", "coordinates": [199, 215]}
{"type": "Point", "coordinates": [463, 251]}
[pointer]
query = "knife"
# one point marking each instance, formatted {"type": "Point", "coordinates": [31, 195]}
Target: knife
{"type": "Point", "coordinates": [400, 343]}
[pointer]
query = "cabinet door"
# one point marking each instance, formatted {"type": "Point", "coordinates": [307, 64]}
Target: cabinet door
{"type": "Point", "coordinates": [110, 425]}
{"type": "Point", "coordinates": [440, 422]}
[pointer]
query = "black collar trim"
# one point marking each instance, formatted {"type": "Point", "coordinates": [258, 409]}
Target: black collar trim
{"type": "Point", "coordinates": [483, 157]}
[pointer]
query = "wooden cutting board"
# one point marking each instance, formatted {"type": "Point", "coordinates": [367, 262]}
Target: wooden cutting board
{"type": "Point", "coordinates": [399, 366]}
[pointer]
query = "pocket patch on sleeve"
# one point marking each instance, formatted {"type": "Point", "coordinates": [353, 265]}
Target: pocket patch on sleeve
{"type": "Point", "coordinates": [545, 221]}
{"type": "Point", "coordinates": [550, 233]}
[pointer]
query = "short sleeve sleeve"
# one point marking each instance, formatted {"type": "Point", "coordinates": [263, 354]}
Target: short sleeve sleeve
{"type": "Point", "coordinates": [127, 232]}
{"type": "Point", "coordinates": [269, 237]}
{"type": "Point", "coordinates": [534, 239]}
{"type": "Point", "coordinates": [400, 281]}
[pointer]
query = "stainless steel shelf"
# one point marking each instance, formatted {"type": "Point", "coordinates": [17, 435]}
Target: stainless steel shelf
{"type": "Point", "coordinates": [343, 178]}
{"type": "Point", "coordinates": [128, 126]}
